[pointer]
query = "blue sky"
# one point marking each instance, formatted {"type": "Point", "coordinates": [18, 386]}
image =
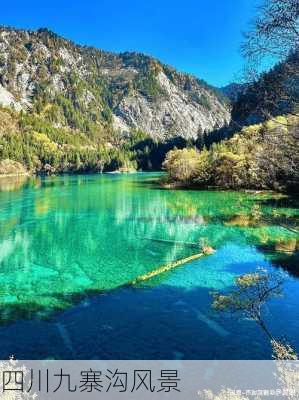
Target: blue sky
{"type": "Point", "coordinates": [201, 37]}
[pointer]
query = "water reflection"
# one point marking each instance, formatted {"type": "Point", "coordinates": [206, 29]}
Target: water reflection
{"type": "Point", "coordinates": [65, 237]}
{"type": "Point", "coordinates": [12, 183]}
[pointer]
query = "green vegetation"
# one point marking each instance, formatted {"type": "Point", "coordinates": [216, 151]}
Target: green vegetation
{"type": "Point", "coordinates": [42, 144]}
{"type": "Point", "coordinates": [67, 122]}
{"type": "Point", "coordinates": [32, 141]}
{"type": "Point", "coordinates": [82, 107]}
{"type": "Point", "coordinates": [263, 156]}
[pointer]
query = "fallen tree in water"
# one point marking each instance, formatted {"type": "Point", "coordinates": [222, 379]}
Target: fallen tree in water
{"type": "Point", "coordinates": [177, 243]}
{"type": "Point", "coordinates": [166, 268]}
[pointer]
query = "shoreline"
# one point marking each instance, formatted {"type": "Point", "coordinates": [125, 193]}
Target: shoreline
{"type": "Point", "coordinates": [185, 186]}
{"type": "Point", "coordinates": [36, 174]}
{"type": "Point", "coordinates": [163, 185]}
{"type": "Point", "coordinates": [15, 175]}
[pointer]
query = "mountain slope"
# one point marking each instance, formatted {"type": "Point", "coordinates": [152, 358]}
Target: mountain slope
{"type": "Point", "coordinates": [233, 90]}
{"type": "Point", "coordinates": [275, 92]}
{"type": "Point", "coordinates": [100, 92]}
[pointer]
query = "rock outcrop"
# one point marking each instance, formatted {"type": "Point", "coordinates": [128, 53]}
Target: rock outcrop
{"type": "Point", "coordinates": [75, 86]}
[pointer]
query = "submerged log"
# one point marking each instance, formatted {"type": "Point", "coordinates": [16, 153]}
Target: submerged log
{"type": "Point", "coordinates": [165, 268]}
{"type": "Point", "coordinates": [191, 244]}
{"type": "Point", "coordinates": [288, 228]}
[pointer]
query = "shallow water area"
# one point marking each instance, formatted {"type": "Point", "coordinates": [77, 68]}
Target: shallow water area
{"type": "Point", "coordinates": [70, 247]}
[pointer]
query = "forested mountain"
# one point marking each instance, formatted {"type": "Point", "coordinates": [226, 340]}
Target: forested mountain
{"type": "Point", "coordinates": [96, 91]}
{"type": "Point", "coordinates": [274, 93]}
{"type": "Point", "coordinates": [270, 94]}
{"type": "Point", "coordinates": [74, 108]}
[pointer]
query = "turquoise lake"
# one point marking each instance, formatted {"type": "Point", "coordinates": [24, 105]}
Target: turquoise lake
{"type": "Point", "coordinates": [71, 246]}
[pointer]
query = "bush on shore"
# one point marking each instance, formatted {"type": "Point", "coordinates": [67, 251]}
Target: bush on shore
{"type": "Point", "coordinates": [263, 156]}
{"type": "Point", "coordinates": [11, 167]}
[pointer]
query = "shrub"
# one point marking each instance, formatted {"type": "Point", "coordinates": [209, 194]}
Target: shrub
{"type": "Point", "coordinates": [182, 165]}
{"type": "Point", "coordinates": [264, 156]}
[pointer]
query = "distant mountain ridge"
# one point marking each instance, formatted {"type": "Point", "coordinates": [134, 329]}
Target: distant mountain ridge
{"type": "Point", "coordinates": [275, 92]}
{"type": "Point", "coordinates": [233, 90]}
{"type": "Point", "coordinates": [97, 92]}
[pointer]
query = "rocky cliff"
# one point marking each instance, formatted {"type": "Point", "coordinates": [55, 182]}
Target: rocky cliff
{"type": "Point", "coordinates": [97, 92]}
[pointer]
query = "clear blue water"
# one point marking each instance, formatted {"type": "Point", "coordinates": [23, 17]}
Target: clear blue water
{"type": "Point", "coordinates": [70, 245]}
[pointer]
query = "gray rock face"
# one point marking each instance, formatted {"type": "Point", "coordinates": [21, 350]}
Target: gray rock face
{"type": "Point", "coordinates": [175, 114]}
{"type": "Point", "coordinates": [128, 90]}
